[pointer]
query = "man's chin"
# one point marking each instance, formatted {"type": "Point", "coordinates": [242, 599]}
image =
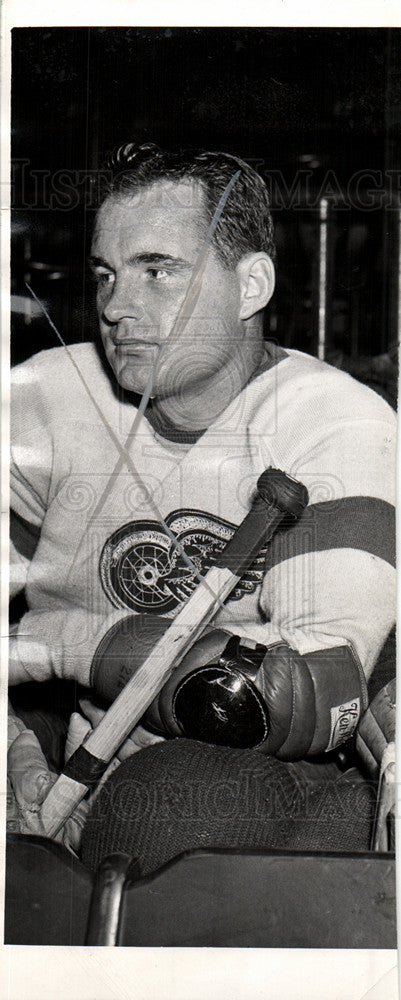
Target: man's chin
{"type": "Point", "coordinates": [132, 378]}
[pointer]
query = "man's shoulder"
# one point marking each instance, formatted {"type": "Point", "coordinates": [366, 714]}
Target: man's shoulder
{"type": "Point", "coordinates": [57, 386]}
{"type": "Point", "coordinates": [63, 375]}
{"type": "Point", "coordinates": [303, 379]}
{"type": "Point", "coordinates": [58, 362]}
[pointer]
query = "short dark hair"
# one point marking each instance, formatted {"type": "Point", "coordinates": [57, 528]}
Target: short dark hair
{"type": "Point", "coordinates": [245, 224]}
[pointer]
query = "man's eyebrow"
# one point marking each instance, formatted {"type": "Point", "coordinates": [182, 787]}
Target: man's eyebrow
{"type": "Point", "coordinates": [158, 258]}
{"type": "Point", "coordinates": [145, 258]}
{"type": "Point", "coordinates": [98, 262]}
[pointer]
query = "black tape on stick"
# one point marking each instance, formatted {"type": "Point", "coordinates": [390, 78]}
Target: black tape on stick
{"type": "Point", "coordinates": [82, 766]}
{"type": "Point", "coordinates": [279, 499]}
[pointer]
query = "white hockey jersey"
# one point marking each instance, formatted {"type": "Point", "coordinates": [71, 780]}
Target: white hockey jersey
{"type": "Point", "coordinates": [98, 498]}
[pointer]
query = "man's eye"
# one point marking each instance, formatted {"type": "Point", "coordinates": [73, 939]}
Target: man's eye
{"type": "Point", "coordinates": [103, 277]}
{"type": "Point", "coordinates": [158, 273]}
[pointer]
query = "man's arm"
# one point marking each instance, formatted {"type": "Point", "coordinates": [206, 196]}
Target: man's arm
{"type": "Point", "coordinates": [329, 586]}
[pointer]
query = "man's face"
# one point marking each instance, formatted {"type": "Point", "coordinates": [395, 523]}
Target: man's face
{"type": "Point", "coordinates": [144, 251]}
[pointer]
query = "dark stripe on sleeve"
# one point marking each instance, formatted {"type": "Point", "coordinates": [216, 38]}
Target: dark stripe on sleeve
{"type": "Point", "coordinates": [24, 535]}
{"type": "Point", "coordinates": [351, 523]}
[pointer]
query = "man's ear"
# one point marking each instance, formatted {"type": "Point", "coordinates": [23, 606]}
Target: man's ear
{"type": "Point", "coordinates": [257, 280]}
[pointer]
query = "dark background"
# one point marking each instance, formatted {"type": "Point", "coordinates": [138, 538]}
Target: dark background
{"type": "Point", "coordinates": [288, 100]}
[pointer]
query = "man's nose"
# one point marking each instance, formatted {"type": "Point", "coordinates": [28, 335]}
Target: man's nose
{"type": "Point", "coordinates": [124, 302]}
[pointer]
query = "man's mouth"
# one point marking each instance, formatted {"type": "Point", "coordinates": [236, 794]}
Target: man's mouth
{"type": "Point", "coordinates": [134, 346]}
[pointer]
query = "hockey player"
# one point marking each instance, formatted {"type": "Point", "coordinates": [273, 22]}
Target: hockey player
{"type": "Point", "coordinates": [134, 460]}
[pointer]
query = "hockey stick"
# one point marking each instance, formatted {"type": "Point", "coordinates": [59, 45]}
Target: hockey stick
{"type": "Point", "coordinates": [278, 497]}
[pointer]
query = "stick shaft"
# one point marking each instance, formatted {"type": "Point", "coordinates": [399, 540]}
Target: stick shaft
{"type": "Point", "coordinates": [170, 649]}
{"type": "Point", "coordinates": [56, 809]}
{"type": "Point", "coordinates": [140, 690]}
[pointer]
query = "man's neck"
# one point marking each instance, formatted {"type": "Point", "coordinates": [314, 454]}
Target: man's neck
{"type": "Point", "coordinates": [199, 407]}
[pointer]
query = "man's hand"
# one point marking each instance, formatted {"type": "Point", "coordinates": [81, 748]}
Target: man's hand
{"type": "Point", "coordinates": [138, 739]}
{"type": "Point", "coordinates": [29, 780]}
{"type": "Point", "coordinates": [29, 773]}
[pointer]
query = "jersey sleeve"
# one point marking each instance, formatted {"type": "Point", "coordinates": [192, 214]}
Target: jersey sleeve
{"type": "Point", "coordinates": [60, 642]}
{"type": "Point", "coordinates": [330, 579]}
{"type": "Point", "coordinates": [49, 640]}
{"type": "Point", "coordinates": [31, 462]}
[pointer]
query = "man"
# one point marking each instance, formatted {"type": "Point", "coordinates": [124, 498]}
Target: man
{"type": "Point", "coordinates": [121, 505]}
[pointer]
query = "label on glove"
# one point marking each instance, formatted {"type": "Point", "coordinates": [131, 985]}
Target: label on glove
{"type": "Point", "coordinates": [344, 719]}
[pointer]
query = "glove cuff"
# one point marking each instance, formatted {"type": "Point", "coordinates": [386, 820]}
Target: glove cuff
{"type": "Point", "coordinates": [314, 700]}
